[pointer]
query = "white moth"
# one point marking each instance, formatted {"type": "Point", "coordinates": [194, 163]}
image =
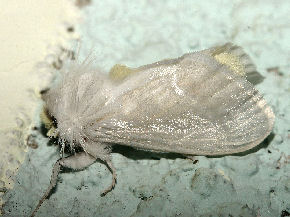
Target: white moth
{"type": "Point", "coordinates": [203, 103]}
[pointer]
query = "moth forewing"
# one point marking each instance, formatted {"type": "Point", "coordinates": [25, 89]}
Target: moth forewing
{"type": "Point", "coordinates": [191, 105]}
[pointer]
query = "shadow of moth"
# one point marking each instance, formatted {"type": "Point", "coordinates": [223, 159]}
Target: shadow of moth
{"type": "Point", "coordinates": [203, 103]}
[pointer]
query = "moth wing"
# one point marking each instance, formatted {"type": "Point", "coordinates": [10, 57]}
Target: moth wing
{"type": "Point", "coordinates": [237, 60]}
{"type": "Point", "coordinates": [190, 105]}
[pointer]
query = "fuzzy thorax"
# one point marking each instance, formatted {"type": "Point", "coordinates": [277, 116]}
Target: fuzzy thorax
{"type": "Point", "coordinates": [71, 130]}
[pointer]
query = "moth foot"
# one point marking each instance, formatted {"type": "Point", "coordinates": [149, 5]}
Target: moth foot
{"type": "Point", "coordinates": [114, 178]}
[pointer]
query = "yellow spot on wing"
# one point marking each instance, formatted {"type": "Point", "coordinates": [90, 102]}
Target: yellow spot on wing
{"type": "Point", "coordinates": [119, 72]}
{"type": "Point", "coordinates": [232, 62]}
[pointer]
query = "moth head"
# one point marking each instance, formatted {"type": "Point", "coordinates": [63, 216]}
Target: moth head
{"type": "Point", "coordinates": [49, 122]}
{"type": "Point", "coordinates": [65, 127]}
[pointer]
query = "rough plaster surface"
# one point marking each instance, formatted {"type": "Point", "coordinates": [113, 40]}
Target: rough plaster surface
{"type": "Point", "coordinates": [29, 32]}
{"type": "Point", "coordinates": [255, 183]}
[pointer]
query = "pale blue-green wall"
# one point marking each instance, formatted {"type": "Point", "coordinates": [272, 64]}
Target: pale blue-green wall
{"type": "Point", "coordinates": [256, 183]}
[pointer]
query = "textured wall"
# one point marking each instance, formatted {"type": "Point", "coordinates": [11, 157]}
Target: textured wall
{"type": "Point", "coordinates": [256, 183]}
{"type": "Point", "coordinates": [29, 32]}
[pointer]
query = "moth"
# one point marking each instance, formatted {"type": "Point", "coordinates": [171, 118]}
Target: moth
{"type": "Point", "coordinates": [202, 103]}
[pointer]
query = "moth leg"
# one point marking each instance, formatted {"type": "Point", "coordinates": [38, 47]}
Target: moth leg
{"type": "Point", "coordinates": [193, 158]}
{"type": "Point", "coordinates": [103, 152]}
{"type": "Point", "coordinates": [78, 161]}
{"type": "Point", "coordinates": [114, 178]}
